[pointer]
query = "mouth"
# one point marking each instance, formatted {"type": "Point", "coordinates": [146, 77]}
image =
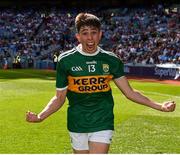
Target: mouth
{"type": "Point", "coordinates": [90, 45]}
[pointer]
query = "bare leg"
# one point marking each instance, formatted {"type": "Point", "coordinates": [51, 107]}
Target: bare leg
{"type": "Point", "coordinates": [81, 151]}
{"type": "Point", "coordinates": [98, 148]}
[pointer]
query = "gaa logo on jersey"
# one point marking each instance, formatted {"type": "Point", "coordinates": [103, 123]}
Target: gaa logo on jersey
{"type": "Point", "coordinates": [76, 68]}
{"type": "Point", "coordinates": [106, 68]}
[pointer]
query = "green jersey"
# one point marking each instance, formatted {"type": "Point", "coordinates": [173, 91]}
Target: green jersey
{"type": "Point", "coordinates": [87, 78]}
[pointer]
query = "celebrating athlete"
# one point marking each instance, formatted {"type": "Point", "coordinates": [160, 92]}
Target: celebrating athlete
{"type": "Point", "coordinates": [83, 76]}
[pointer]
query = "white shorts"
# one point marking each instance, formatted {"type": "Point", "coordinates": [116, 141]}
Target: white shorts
{"type": "Point", "coordinates": [79, 141]}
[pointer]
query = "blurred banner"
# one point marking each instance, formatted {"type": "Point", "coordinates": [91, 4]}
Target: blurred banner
{"type": "Point", "coordinates": [164, 71]}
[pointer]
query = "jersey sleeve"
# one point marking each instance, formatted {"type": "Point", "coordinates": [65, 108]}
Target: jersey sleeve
{"type": "Point", "coordinates": [117, 68]}
{"type": "Point", "coordinates": [61, 76]}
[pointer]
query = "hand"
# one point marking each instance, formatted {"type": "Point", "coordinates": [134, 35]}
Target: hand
{"type": "Point", "coordinates": [168, 106]}
{"type": "Point", "coordinates": [32, 117]}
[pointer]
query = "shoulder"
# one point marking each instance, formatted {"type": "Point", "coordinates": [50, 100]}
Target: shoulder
{"type": "Point", "coordinates": [113, 58]}
{"type": "Point", "coordinates": [67, 54]}
{"type": "Point", "coordinates": [108, 53]}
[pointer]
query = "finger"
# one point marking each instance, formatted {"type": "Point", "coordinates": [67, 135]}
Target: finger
{"type": "Point", "coordinates": [166, 108]}
{"type": "Point", "coordinates": [171, 107]}
{"type": "Point", "coordinates": [172, 104]}
{"type": "Point", "coordinates": [29, 113]}
{"type": "Point", "coordinates": [167, 103]}
{"type": "Point", "coordinates": [27, 118]}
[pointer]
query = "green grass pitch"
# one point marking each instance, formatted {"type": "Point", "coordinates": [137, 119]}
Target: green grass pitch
{"type": "Point", "coordinates": [138, 129]}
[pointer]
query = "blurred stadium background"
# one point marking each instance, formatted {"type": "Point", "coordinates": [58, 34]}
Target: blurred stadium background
{"type": "Point", "coordinates": [144, 34]}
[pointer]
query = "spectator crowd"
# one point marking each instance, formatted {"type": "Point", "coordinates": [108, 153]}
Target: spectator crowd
{"type": "Point", "coordinates": [136, 35]}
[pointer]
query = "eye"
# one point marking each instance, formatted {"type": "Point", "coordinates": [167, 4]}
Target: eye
{"type": "Point", "coordinates": [94, 32]}
{"type": "Point", "coordinates": [84, 33]}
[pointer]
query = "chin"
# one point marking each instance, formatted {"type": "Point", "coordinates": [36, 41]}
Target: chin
{"type": "Point", "coordinates": [91, 51]}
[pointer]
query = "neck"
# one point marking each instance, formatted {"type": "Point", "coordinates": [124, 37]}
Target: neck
{"type": "Point", "coordinates": [89, 53]}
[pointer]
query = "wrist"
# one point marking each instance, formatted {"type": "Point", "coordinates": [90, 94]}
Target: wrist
{"type": "Point", "coordinates": [159, 106]}
{"type": "Point", "coordinates": [162, 108]}
{"type": "Point", "coordinates": [39, 118]}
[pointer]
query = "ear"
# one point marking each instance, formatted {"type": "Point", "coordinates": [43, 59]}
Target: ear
{"type": "Point", "coordinates": [78, 37]}
{"type": "Point", "coordinates": [100, 35]}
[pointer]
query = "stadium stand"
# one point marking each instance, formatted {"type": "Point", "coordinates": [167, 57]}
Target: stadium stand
{"type": "Point", "coordinates": [144, 36]}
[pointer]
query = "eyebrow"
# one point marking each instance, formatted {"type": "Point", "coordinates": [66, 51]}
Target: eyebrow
{"type": "Point", "coordinates": [87, 29]}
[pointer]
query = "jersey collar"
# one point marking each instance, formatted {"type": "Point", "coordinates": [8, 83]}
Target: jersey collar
{"type": "Point", "coordinates": [79, 49]}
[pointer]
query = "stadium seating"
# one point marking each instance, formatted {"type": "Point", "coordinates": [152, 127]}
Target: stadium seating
{"type": "Point", "coordinates": [138, 35]}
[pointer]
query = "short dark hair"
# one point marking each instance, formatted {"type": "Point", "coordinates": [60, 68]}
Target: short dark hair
{"type": "Point", "coordinates": [87, 19]}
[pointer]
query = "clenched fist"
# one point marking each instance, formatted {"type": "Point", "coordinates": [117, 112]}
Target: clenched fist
{"type": "Point", "coordinates": [168, 106]}
{"type": "Point", "coordinates": [32, 117]}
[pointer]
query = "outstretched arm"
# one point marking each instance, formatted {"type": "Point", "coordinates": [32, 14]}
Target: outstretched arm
{"type": "Point", "coordinates": [123, 84]}
{"type": "Point", "coordinates": [54, 104]}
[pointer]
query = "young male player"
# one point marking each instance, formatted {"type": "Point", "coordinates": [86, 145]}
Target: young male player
{"type": "Point", "coordinates": [83, 75]}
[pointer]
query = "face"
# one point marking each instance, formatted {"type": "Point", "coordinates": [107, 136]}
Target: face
{"type": "Point", "coordinates": [89, 37]}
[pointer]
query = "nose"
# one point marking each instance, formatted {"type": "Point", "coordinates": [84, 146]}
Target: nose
{"type": "Point", "coordinates": [89, 37]}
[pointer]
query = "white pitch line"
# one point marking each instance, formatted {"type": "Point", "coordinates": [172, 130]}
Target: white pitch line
{"type": "Point", "coordinates": [155, 93]}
